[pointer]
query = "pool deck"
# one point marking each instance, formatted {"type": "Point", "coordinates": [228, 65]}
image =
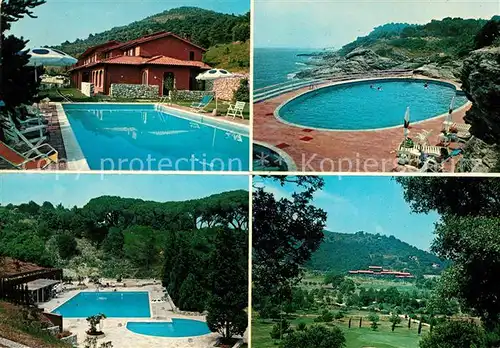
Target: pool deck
{"type": "Point", "coordinates": [115, 329]}
{"type": "Point", "coordinates": [315, 150]}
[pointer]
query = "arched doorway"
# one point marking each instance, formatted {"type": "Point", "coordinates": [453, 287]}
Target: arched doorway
{"type": "Point", "coordinates": [168, 82]}
{"type": "Point", "coordinates": [145, 77]}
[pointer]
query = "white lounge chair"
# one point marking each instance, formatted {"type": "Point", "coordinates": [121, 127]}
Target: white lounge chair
{"type": "Point", "coordinates": [431, 150]}
{"type": "Point", "coordinates": [423, 137]}
{"type": "Point", "coordinates": [461, 127]}
{"type": "Point", "coordinates": [236, 110]}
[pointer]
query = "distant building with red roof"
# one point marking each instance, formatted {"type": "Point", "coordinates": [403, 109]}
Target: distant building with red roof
{"type": "Point", "coordinates": [380, 271]}
{"type": "Point", "coordinates": [150, 60]}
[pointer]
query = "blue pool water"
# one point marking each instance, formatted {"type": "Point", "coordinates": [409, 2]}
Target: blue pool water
{"type": "Point", "coordinates": [356, 106]}
{"type": "Point", "coordinates": [177, 328]}
{"type": "Point", "coordinates": [130, 304]}
{"type": "Point", "coordinates": [138, 137]}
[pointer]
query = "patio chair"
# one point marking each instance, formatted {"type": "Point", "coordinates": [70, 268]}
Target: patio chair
{"type": "Point", "coordinates": [236, 110]}
{"type": "Point", "coordinates": [31, 159]}
{"type": "Point", "coordinates": [202, 104]}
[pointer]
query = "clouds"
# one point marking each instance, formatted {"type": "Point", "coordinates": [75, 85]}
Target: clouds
{"type": "Point", "coordinates": [320, 23]}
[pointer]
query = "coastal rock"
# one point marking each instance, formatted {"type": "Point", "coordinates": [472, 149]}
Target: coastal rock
{"type": "Point", "coordinates": [481, 83]}
{"type": "Point", "coordinates": [450, 71]}
{"type": "Point", "coordinates": [359, 60]}
{"type": "Point", "coordinates": [479, 157]}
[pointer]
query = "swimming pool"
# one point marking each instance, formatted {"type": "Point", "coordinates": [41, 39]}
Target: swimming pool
{"type": "Point", "coordinates": [177, 328]}
{"type": "Point", "coordinates": [151, 137]}
{"type": "Point", "coordinates": [357, 106]}
{"type": "Point", "coordinates": [127, 304]}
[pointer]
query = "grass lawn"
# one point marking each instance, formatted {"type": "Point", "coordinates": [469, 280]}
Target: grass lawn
{"type": "Point", "coordinates": [356, 337]}
{"type": "Point", "coordinates": [77, 96]}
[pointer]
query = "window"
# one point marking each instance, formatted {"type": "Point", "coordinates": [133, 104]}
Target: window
{"type": "Point", "coordinates": [145, 77]}
{"type": "Point", "coordinates": [191, 55]}
{"type": "Point", "coordinates": [131, 52]}
{"type": "Point", "coordinates": [136, 51]}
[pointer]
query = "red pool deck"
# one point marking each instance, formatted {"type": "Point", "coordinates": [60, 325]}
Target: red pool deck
{"type": "Point", "coordinates": [339, 151]}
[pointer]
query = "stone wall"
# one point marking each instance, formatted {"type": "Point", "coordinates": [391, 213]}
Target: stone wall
{"type": "Point", "coordinates": [73, 340]}
{"type": "Point", "coordinates": [225, 87]}
{"type": "Point", "coordinates": [134, 91]}
{"type": "Point", "coordinates": [186, 95]}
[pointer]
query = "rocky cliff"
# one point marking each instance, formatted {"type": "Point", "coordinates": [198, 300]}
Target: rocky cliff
{"type": "Point", "coordinates": [481, 83]}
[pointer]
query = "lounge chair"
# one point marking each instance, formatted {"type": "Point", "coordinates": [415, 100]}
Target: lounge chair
{"type": "Point", "coordinates": [408, 155]}
{"type": "Point", "coordinates": [35, 134]}
{"type": "Point", "coordinates": [31, 159]}
{"type": "Point", "coordinates": [460, 127]}
{"type": "Point", "coordinates": [423, 137]}
{"type": "Point", "coordinates": [30, 116]}
{"type": "Point", "coordinates": [236, 110]}
{"type": "Point", "coordinates": [202, 104]}
{"type": "Point", "coordinates": [431, 150]}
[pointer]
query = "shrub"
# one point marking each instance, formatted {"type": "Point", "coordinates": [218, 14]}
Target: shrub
{"type": "Point", "coordinates": [455, 334]}
{"type": "Point", "coordinates": [280, 329]}
{"type": "Point", "coordinates": [243, 92]}
{"type": "Point", "coordinates": [316, 336]}
{"type": "Point", "coordinates": [301, 326]}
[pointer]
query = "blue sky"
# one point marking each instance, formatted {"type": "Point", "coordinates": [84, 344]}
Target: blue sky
{"type": "Point", "coordinates": [333, 23]}
{"type": "Point", "coordinates": [74, 189]}
{"type": "Point", "coordinates": [61, 20]}
{"type": "Point", "coordinates": [370, 204]}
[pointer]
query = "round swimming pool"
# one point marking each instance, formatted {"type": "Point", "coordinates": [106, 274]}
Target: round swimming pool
{"type": "Point", "coordinates": [176, 328]}
{"type": "Point", "coordinates": [370, 104]}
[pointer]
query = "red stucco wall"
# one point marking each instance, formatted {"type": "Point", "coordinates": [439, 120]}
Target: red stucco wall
{"type": "Point", "coordinates": [171, 47]}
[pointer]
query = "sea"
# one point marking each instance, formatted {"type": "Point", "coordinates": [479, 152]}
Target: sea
{"type": "Point", "coordinates": [277, 65]}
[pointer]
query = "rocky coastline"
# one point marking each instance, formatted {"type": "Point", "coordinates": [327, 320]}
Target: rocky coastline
{"type": "Point", "coordinates": [367, 60]}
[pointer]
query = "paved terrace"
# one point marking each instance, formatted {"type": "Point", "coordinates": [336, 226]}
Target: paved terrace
{"type": "Point", "coordinates": [339, 151]}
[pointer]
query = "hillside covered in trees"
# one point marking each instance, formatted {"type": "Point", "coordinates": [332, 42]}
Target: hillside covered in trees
{"type": "Point", "coordinates": [341, 252]}
{"type": "Point", "coordinates": [181, 243]}
{"type": "Point", "coordinates": [206, 28]}
{"type": "Point", "coordinates": [436, 49]}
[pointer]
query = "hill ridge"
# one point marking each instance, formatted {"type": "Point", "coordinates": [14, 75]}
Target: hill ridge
{"type": "Point", "coordinates": [341, 252]}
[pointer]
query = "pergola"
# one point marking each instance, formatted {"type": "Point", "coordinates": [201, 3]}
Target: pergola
{"type": "Point", "coordinates": [41, 289]}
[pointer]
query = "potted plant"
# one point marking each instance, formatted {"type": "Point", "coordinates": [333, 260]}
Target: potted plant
{"type": "Point", "coordinates": [93, 321]}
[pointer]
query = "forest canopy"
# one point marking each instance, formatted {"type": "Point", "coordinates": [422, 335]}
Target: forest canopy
{"type": "Point", "coordinates": [132, 238]}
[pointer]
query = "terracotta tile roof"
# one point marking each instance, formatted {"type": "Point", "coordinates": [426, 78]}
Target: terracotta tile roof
{"type": "Point", "coordinates": [129, 60]}
{"type": "Point", "coordinates": [105, 45]}
{"type": "Point", "coordinates": [164, 60]}
{"type": "Point", "coordinates": [155, 36]}
{"type": "Point", "coordinates": [10, 266]}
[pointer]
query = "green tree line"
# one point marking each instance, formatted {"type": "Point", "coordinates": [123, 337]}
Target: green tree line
{"type": "Point", "coordinates": [202, 27]}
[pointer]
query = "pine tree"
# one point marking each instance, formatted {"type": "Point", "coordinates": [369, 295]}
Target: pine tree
{"type": "Point", "coordinates": [17, 81]}
{"type": "Point", "coordinates": [229, 284]}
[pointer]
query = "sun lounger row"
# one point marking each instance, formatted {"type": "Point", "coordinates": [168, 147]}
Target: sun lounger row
{"type": "Point", "coordinates": [24, 146]}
